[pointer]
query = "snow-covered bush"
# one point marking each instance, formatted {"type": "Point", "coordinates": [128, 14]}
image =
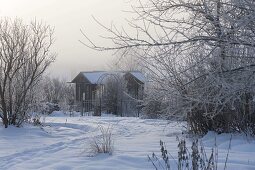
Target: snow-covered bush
{"type": "Point", "coordinates": [152, 109]}
{"type": "Point", "coordinates": [36, 119]}
{"type": "Point", "coordinates": [44, 108]}
{"type": "Point", "coordinates": [48, 108]}
{"type": "Point", "coordinates": [39, 110]}
{"type": "Point", "coordinates": [224, 102]}
{"type": "Point", "coordinates": [59, 92]}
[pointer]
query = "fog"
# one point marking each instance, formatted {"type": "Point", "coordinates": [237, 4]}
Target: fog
{"type": "Point", "coordinates": [68, 17]}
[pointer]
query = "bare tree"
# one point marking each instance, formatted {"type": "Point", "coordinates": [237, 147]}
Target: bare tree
{"type": "Point", "coordinates": [24, 57]}
{"type": "Point", "coordinates": [200, 55]}
{"type": "Point", "coordinates": [58, 91]}
{"type": "Point", "coordinates": [52, 89]}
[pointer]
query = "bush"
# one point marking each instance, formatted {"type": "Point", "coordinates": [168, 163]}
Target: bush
{"type": "Point", "coordinates": [152, 109]}
{"type": "Point", "coordinates": [36, 121]}
{"type": "Point", "coordinates": [47, 108]}
{"type": "Point", "coordinates": [104, 142]}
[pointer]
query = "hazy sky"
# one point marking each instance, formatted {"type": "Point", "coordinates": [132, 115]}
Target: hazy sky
{"type": "Point", "coordinates": [68, 17]}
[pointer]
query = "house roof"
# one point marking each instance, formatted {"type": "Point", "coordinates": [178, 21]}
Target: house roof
{"type": "Point", "coordinates": [94, 76]}
{"type": "Point", "coordinates": [140, 76]}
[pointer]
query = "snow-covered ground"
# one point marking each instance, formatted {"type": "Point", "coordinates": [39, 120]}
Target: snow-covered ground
{"type": "Point", "coordinates": [63, 144]}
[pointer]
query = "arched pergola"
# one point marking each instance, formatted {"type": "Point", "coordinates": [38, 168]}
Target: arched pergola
{"type": "Point", "coordinates": [101, 89]}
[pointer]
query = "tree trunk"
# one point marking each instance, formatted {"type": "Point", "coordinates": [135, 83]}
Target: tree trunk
{"type": "Point", "coordinates": [5, 120]}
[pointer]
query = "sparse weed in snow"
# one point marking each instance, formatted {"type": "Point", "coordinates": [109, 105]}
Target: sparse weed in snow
{"type": "Point", "coordinates": [104, 142]}
{"type": "Point", "coordinates": [197, 160]}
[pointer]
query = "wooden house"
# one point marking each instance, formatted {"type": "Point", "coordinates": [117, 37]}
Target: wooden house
{"type": "Point", "coordinates": [86, 83]}
{"type": "Point", "coordinates": [89, 84]}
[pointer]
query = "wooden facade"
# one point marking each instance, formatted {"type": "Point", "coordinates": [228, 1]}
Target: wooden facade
{"type": "Point", "coordinates": [84, 89]}
{"type": "Point", "coordinates": [134, 86]}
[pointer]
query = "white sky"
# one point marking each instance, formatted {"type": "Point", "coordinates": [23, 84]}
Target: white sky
{"type": "Point", "coordinates": [68, 17]}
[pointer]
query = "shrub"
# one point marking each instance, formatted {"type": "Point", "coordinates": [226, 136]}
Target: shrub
{"type": "Point", "coordinates": [37, 119]}
{"type": "Point", "coordinates": [104, 142]}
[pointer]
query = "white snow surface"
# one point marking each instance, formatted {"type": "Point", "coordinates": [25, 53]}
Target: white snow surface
{"type": "Point", "coordinates": [63, 144]}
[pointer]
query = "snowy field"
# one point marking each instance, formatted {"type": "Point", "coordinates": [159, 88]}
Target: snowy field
{"type": "Point", "coordinates": [63, 144]}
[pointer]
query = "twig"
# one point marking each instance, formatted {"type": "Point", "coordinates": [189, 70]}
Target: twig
{"type": "Point", "coordinates": [225, 167]}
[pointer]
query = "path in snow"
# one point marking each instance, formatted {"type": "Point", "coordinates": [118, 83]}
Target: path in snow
{"type": "Point", "coordinates": [64, 144]}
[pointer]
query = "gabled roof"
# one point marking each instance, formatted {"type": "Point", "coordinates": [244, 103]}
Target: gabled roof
{"type": "Point", "coordinates": [94, 76]}
{"type": "Point", "coordinates": [138, 75]}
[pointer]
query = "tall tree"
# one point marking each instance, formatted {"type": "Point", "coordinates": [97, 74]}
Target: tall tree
{"type": "Point", "coordinates": [200, 54]}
